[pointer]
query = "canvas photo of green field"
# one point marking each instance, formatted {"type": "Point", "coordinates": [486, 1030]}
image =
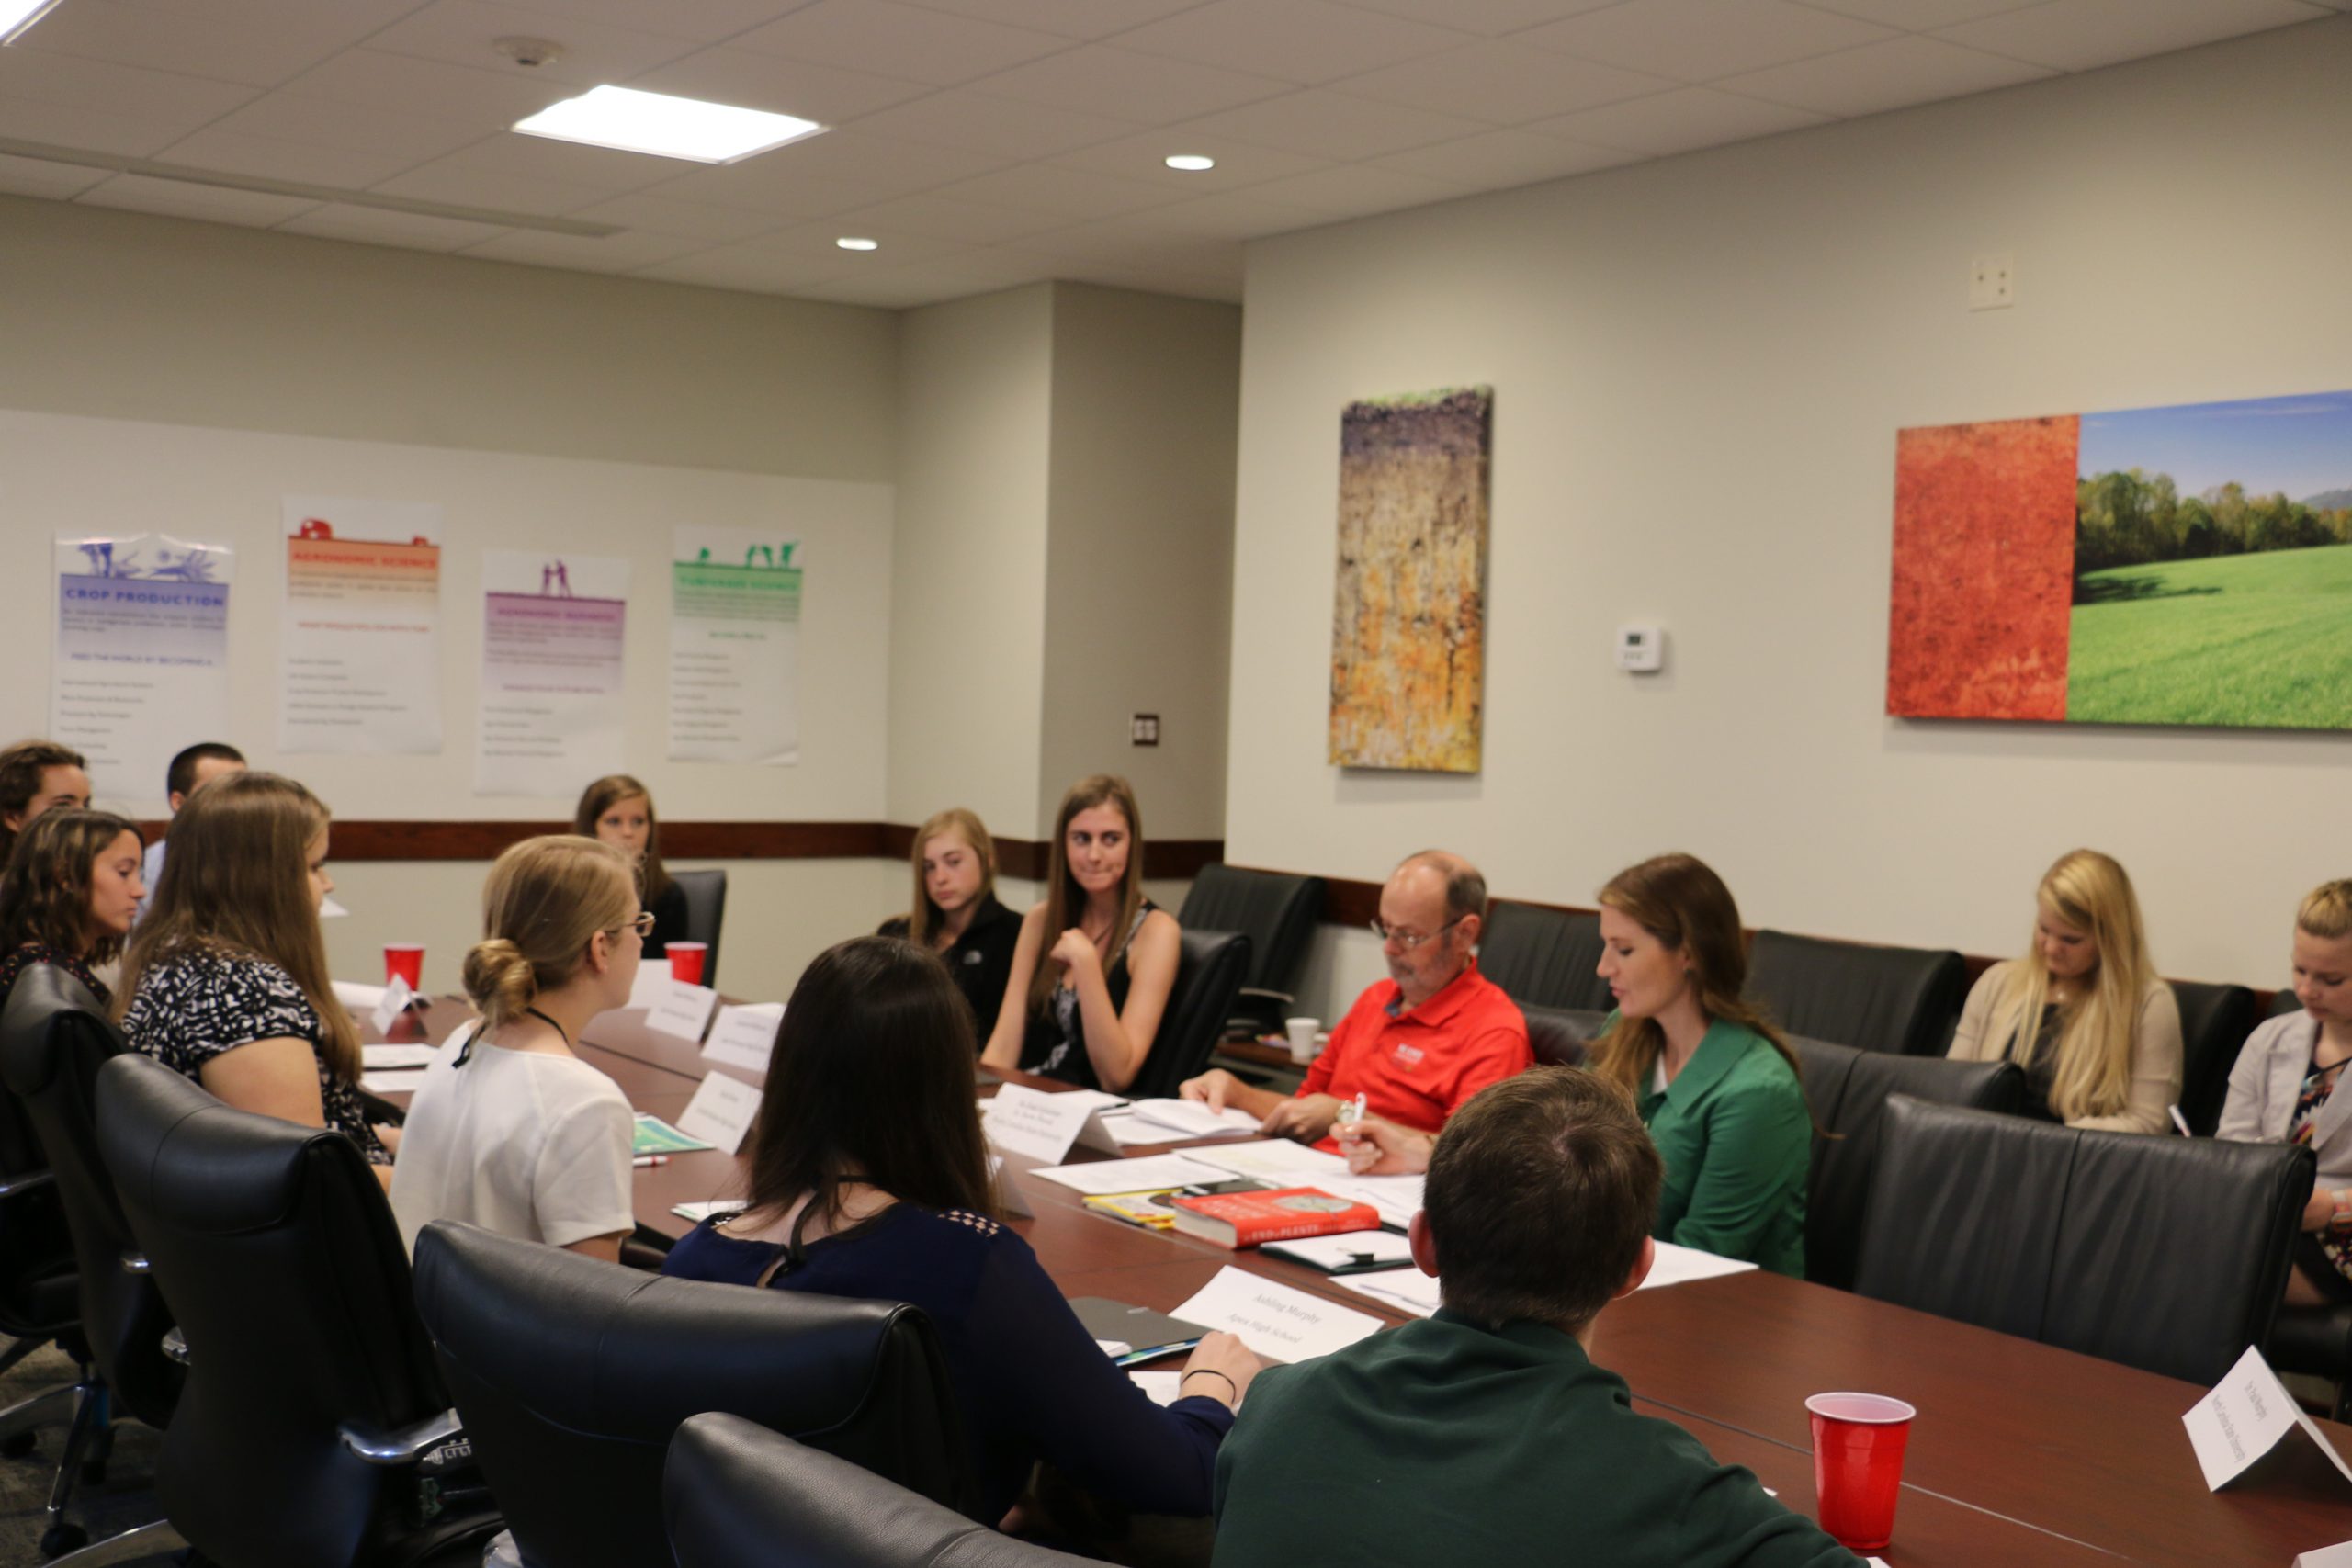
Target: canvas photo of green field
{"type": "Point", "coordinates": [2213, 566]}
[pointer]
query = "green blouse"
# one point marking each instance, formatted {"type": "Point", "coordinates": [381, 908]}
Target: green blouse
{"type": "Point", "coordinates": [1737, 1142]}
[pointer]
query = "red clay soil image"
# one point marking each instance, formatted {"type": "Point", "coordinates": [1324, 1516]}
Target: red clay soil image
{"type": "Point", "coordinates": [1984, 569]}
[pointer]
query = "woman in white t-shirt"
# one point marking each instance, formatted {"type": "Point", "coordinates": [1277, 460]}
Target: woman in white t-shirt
{"type": "Point", "coordinates": [510, 1131]}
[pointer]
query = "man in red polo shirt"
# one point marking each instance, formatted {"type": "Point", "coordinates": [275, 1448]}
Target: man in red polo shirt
{"type": "Point", "coordinates": [1417, 1044]}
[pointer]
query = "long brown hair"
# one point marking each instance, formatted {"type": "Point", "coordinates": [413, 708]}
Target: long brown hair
{"type": "Point", "coordinates": [923, 916]}
{"type": "Point", "coordinates": [45, 898]}
{"type": "Point", "coordinates": [21, 766]}
{"type": "Point", "coordinates": [1065, 899]}
{"type": "Point", "coordinates": [870, 1081]}
{"type": "Point", "coordinates": [1678, 899]}
{"type": "Point", "coordinates": [237, 882]}
{"type": "Point", "coordinates": [2090, 892]}
{"type": "Point", "coordinates": [604, 794]}
{"type": "Point", "coordinates": [545, 900]}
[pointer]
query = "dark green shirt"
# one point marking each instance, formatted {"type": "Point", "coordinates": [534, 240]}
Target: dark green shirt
{"type": "Point", "coordinates": [1738, 1143]}
{"type": "Point", "coordinates": [1444, 1442]}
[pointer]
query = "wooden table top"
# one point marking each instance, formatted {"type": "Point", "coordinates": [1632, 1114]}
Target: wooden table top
{"type": "Point", "coordinates": [2023, 1453]}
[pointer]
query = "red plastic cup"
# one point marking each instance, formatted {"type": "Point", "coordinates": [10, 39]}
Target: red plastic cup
{"type": "Point", "coordinates": [1857, 1442]}
{"type": "Point", "coordinates": [686, 960]}
{"type": "Point", "coordinates": [404, 960]}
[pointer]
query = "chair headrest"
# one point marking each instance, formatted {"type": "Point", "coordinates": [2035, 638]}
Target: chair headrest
{"type": "Point", "coordinates": [197, 1165]}
{"type": "Point", "coordinates": [30, 1054]}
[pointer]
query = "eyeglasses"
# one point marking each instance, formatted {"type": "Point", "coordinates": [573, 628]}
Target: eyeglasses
{"type": "Point", "coordinates": [1405, 942]}
{"type": "Point", "coordinates": [643, 925]}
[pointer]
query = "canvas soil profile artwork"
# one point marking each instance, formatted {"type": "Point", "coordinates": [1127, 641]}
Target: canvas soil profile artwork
{"type": "Point", "coordinates": [2177, 566]}
{"type": "Point", "coordinates": [1408, 617]}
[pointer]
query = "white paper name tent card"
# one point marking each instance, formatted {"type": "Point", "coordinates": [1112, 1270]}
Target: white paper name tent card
{"type": "Point", "coordinates": [1041, 1126]}
{"type": "Point", "coordinates": [720, 1112]}
{"type": "Point", "coordinates": [2244, 1418]}
{"type": "Point", "coordinates": [1277, 1322]}
{"type": "Point", "coordinates": [389, 1008]}
{"type": "Point", "coordinates": [744, 1037]}
{"type": "Point", "coordinates": [683, 1011]}
{"type": "Point", "coordinates": [2325, 1557]}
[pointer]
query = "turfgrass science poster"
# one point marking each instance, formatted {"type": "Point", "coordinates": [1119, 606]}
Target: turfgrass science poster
{"type": "Point", "coordinates": [2188, 565]}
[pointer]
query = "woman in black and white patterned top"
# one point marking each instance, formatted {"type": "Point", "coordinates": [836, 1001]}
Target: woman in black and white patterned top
{"type": "Point", "coordinates": [226, 979]}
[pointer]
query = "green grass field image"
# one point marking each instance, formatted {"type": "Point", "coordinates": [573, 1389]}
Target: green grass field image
{"type": "Point", "coordinates": [2261, 639]}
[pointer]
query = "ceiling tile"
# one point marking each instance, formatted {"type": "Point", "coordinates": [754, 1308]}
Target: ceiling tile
{"type": "Point", "coordinates": [608, 169]}
{"type": "Point", "coordinates": [887, 167]}
{"type": "Point", "coordinates": [769, 188]}
{"type": "Point", "coordinates": [175, 199]}
{"type": "Point", "coordinates": [892, 40]}
{"type": "Point", "coordinates": [490, 100]}
{"type": "Point", "coordinates": [1003, 126]}
{"type": "Point", "coordinates": [1123, 85]}
{"type": "Point", "coordinates": [1355, 190]}
{"type": "Point", "coordinates": [827, 94]}
{"type": "Point", "coordinates": [1223, 284]}
{"type": "Point", "coordinates": [1496, 159]}
{"type": "Point", "coordinates": [704, 21]}
{"type": "Point", "coordinates": [613, 252]}
{"type": "Point", "coordinates": [943, 218]}
{"type": "Point", "coordinates": [75, 83]}
{"type": "Point", "coordinates": [654, 213]}
{"type": "Point", "coordinates": [1491, 18]}
{"type": "Point", "coordinates": [467, 185]}
{"type": "Point", "coordinates": [1699, 41]}
{"type": "Point", "coordinates": [1502, 84]}
{"type": "Point", "coordinates": [1145, 157]}
{"type": "Point", "coordinates": [258, 43]}
{"type": "Point", "coordinates": [1304, 42]}
{"type": "Point", "coordinates": [30, 177]}
{"type": "Point", "coordinates": [363, 127]}
{"type": "Point", "coordinates": [465, 32]}
{"type": "Point", "coordinates": [1317, 123]}
{"type": "Point", "coordinates": [897, 247]}
{"type": "Point", "coordinates": [1918, 15]}
{"type": "Point", "coordinates": [267, 158]}
{"type": "Point", "coordinates": [1071, 18]}
{"type": "Point", "coordinates": [1075, 194]}
{"type": "Point", "coordinates": [369, 225]}
{"type": "Point", "coordinates": [761, 271]}
{"type": "Point", "coordinates": [2078, 35]}
{"type": "Point", "coordinates": [1236, 215]}
{"type": "Point", "coordinates": [932, 283]}
{"type": "Point", "coordinates": [95, 131]}
{"type": "Point", "coordinates": [1129, 245]}
{"type": "Point", "coordinates": [1910, 70]}
{"type": "Point", "coordinates": [1680, 121]}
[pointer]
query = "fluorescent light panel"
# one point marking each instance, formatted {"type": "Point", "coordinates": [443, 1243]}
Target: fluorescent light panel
{"type": "Point", "coordinates": [15, 15]}
{"type": "Point", "coordinates": [666, 127]}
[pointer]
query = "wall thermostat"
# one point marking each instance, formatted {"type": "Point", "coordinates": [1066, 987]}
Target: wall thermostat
{"type": "Point", "coordinates": [1641, 648]}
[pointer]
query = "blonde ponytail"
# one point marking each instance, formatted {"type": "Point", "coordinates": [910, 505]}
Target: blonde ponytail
{"type": "Point", "coordinates": [499, 981]}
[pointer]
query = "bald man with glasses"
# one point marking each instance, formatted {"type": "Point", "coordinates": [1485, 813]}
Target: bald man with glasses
{"type": "Point", "coordinates": [1418, 1044]}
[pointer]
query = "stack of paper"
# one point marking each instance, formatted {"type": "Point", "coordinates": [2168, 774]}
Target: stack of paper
{"type": "Point", "coordinates": [1398, 1198]}
{"type": "Point", "coordinates": [1679, 1265]}
{"type": "Point", "coordinates": [1399, 1290]}
{"type": "Point", "coordinates": [1161, 1388]}
{"type": "Point", "coordinates": [395, 1058]}
{"type": "Point", "coordinates": [1274, 1159]}
{"type": "Point", "coordinates": [1156, 1174]}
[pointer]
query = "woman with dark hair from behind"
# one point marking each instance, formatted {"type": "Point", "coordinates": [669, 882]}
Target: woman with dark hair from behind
{"type": "Point", "coordinates": [618, 810]}
{"type": "Point", "coordinates": [868, 1177]}
{"type": "Point", "coordinates": [71, 890]}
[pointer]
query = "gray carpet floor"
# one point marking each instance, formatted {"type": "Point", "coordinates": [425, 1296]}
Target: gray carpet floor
{"type": "Point", "coordinates": [125, 1498]}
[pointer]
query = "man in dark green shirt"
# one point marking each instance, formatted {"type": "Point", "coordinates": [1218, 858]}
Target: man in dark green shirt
{"type": "Point", "coordinates": [1484, 1435]}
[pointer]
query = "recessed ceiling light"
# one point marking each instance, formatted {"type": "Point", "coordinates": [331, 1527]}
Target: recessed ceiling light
{"type": "Point", "coordinates": [1191, 163]}
{"type": "Point", "coordinates": [635, 122]}
{"type": "Point", "coordinates": [15, 15]}
{"type": "Point", "coordinates": [852, 242]}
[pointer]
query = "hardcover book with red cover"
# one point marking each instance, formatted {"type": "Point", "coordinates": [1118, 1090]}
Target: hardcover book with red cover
{"type": "Point", "coordinates": [1245, 1219]}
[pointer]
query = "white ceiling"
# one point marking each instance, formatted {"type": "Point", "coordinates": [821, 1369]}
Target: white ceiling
{"type": "Point", "coordinates": [984, 142]}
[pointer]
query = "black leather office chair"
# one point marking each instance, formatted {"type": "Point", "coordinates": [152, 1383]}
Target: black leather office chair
{"type": "Point", "coordinates": [2283, 1001]}
{"type": "Point", "coordinates": [2214, 1023]}
{"type": "Point", "coordinates": [314, 1431]}
{"type": "Point", "coordinates": [1877, 998]}
{"type": "Point", "coordinates": [572, 1376]}
{"type": "Point", "coordinates": [40, 1292]}
{"type": "Point", "coordinates": [1543, 956]}
{"type": "Point", "coordinates": [1846, 1090]}
{"type": "Point", "coordinates": [737, 1495]}
{"type": "Point", "coordinates": [1558, 1035]}
{"type": "Point", "coordinates": [1277, 911]}
{"type": "Point", "coordinates": [705, 894]}
{"type": "Point", "coordinates": [1208, 976]}
{"type": "Point", "coordinates": [2165, 1254]}
{"type": "Point", "coordinates": [53, 1042]}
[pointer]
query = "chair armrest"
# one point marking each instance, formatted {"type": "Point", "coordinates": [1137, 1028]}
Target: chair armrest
{"type": "Point", "coordinates": [26, 1182]}
{"type": "Point", "coordinates": [404, 1445]}
{"type": "Point", "coordinates": [1260, 993]}
{"type": "Point", "coordinates": [175, 1347]}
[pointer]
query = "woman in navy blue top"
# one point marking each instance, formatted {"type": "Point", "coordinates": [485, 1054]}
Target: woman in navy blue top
{"type": "Point", "coordinates": [868, 1177]}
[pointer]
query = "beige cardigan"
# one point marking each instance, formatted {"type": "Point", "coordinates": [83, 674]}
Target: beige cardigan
{"type": "Point", "coordinates": [2156, 1050]}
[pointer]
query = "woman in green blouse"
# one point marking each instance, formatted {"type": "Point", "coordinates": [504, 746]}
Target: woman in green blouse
{"type": "Point", "coordinates": [1715, 1081]}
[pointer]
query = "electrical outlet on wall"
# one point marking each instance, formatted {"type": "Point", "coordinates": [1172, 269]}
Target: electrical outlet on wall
{"type": "Point", "coordinates": [1993, 282]}
{"type": "Point", "coordinates": [1143, 729]}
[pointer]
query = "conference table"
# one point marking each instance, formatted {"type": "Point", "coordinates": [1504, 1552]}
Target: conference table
{"type": "Point", "coordinates": [2022, 1453]}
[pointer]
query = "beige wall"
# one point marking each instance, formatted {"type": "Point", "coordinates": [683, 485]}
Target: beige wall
{"type": "Point", "coordinates": [1699, 368]}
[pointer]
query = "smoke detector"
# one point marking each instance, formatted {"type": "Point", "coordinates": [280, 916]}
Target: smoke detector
{"type": "Point", "coordinates": [528, 52]}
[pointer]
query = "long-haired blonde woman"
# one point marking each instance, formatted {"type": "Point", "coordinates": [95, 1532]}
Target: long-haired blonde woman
{"type": "Point", "coordinates": [72, 891]}
{"type": "Point", "coordinates": [2084, 1012]}
{"type": "Point", "coordinates": [510, 1131]}
{"type": "Point", "coordinates": [226, 980]}
{"type": "Point", "coordinates": [618, 810]}
{"type": "Point", "coordinates": [955, 913]}
{"type": "Point", "coordinates": [1095, 961]}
